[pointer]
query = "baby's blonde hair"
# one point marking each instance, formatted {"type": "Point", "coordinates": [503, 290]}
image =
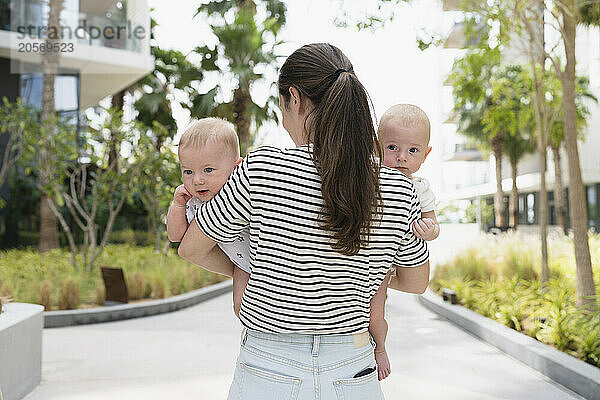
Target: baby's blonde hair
{"type": "Point", "coordinates": [211, 130]}
{"type": "Point", "coordinates": [407, 116]}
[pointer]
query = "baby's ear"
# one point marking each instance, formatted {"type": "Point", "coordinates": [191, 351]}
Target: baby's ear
{"type": "Point", "coordinates": [428, 151]}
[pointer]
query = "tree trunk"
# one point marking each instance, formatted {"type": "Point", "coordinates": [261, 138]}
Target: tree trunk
{"type": "Point", "coordinates": [543, 214]}
{"type": "Point", "coordinates": [241, 100]}
{"type": "Point", "coordinates": [117, 102]}
{"type": "Point", "coordinates": [48, 226]}
{"type": "Point", "coordinates": [513, 204]}
{"type": "Point", "coordinates": [499, 196]}
{"type": "Point", "coordinates": [578, 207]}
{"type": "Point", "coordinates": [538, 60]}
{"type": "Point", "coordinates": [560, 204]}
{"type": "Point", "coordinates": [50, 63]}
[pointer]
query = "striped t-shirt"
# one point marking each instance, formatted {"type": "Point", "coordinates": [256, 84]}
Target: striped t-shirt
{"type": "Point", "coordinates": [299, 283]}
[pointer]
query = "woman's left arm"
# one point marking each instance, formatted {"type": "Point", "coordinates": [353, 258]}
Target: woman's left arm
{"type": "Point", "coordinates": [201, 250]}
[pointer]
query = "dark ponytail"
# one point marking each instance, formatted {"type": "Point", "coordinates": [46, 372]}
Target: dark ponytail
{"type": "Point", "coordinates": [345, 150]}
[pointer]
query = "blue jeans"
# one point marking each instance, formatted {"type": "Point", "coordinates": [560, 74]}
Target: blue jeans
{"type": "Point", "coordinates": [304, 367]}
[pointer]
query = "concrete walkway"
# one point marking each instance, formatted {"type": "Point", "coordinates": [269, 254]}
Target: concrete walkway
{"type": "Point", "coordinates": [190, 354]}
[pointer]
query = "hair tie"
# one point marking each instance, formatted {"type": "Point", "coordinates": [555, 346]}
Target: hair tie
{"type": "Point", "coordinates": [337, 73]}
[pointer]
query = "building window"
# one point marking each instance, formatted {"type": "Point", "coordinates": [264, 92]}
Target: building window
{"type": "Point", "coordinates": [530, 208]}
{"type": "Point", "coordinates": [592, 203]}
{"type": "Point", "coordinates": [5, 15]}
{"type": "Point", "coordinates": [522, 209]}
{"type": "Point", "coordinates": [551, 209]}
{"type": "Point", "coordinates": [66, 94]}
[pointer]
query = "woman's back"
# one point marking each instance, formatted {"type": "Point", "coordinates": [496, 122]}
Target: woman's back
{"type": "Point", "coordinates": [299, 283]}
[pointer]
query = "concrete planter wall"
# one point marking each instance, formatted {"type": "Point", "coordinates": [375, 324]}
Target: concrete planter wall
{"type": "Point", "coordinates": [20, 349]}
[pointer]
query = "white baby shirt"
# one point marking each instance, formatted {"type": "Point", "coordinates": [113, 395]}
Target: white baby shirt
{"type": "Point", "coordinates": [238, 251]}
{"type": "Point", "coordinates": [426, 196]}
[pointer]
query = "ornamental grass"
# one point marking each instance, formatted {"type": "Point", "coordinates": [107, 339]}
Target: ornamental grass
{"type": "Point", "coordinates": [49, 279]}
{"type": "Point", "coordinates": [499, 278]}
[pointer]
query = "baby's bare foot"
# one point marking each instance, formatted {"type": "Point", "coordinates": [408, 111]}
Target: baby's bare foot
{"type": "Point", "coordinates": [383, 364]}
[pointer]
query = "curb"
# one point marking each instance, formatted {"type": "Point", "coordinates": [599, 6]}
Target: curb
{"type": "Point", "coordinates": [57, 319]}
{"type": "Point", "coordinates": [568, 371]}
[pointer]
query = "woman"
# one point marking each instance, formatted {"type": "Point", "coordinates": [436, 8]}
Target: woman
{"type": "Point", "coordinates": [326, 223]}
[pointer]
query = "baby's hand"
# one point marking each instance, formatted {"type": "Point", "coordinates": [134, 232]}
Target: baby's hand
{"type": "Point", "coordinates": [383, 364]}
{"type": "Point", "coordinates": [426, 229]}
{"type": "Point", "coordinates": [181, 196]}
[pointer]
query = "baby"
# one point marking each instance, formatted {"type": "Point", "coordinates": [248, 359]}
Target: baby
{"type": "Point", "coordinates": [404, 134]}
{"type": "Point", "coordinates": [208, 153]}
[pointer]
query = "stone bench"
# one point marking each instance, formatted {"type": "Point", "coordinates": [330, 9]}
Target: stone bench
{"type": "Point", "coordinates": [20, 349]}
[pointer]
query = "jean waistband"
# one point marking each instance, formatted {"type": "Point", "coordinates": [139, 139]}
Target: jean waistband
{"type": "Point", "coordinates": [357, 338]}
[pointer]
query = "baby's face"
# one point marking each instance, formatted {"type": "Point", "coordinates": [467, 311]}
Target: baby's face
{"type": "Point", "coordinates": [204, 170]}
{"type": "Point", "coordinates": [404, 149]}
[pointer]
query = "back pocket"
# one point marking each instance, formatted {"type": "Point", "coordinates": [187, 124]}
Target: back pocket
{"type": "Point", "coordinates": [258, 384]}
{"type": "Point", "coordinates": [364, 387]}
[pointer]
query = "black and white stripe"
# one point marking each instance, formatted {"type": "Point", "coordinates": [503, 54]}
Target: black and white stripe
{"type": "Point", "coordinates": [299, 283]}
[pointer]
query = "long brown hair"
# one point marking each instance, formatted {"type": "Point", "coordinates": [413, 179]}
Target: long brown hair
{"type": "Point", "coordinates": [345, 149]}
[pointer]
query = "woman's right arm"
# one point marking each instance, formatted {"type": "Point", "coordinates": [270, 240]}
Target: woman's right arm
{"type": "Point", "coordinates": [201, 250]}
{"type": "Point", "coordinates": [411, 279]}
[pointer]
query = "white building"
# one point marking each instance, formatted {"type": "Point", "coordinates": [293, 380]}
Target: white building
{"type": "Point", "coordinates": [106, 47]}
{"type": "Point", "coordinates": [479, 180]}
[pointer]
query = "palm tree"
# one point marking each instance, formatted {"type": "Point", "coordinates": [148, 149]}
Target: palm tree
{"type": "Point", "coordinates": [173, 73]}
{"type": "Point", "coordinates": [245, 46]}
{"type": "Point", "coordinates": [50, 63]}
{"type": "Point", "coordinates": [472, 76]}
{"type": "Point", "coordinates": [510, 113]}
{"type": "Point", "coordinates": [173, 80]}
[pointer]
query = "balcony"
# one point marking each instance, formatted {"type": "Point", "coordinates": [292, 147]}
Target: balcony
{"type": "Point", "coordinates": [106, 24]}
{"type": "Point", "coordinates": [108, 41]}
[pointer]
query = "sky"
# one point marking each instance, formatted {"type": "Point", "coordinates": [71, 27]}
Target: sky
{"type": "Point", "coordinates": [387, 61]}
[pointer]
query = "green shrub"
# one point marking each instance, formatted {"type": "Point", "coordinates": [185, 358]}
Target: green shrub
{"type": "Point", "coordinates": [147, 288]}
{"type": "Point", "coordinates": [520, 262]}
{"type": "Point", "coordinates": [6, 290]}
{"type": "Point", "coordinates": [32, 239]}
{"type": "Point", "coordinates": [131, 237]}
{"type": "Point", "coordinates": [587, 341]}
{"type": "Point", "coordinates": [470, 264]}
{"type": "Point", "coordinates": [499, 278]}
{"type": "Point", "coordinates": [23, 270]}
{"type": "Point", "coordinates": [178, 283]}
{"type": "Point", "coordinates": [159, 288]}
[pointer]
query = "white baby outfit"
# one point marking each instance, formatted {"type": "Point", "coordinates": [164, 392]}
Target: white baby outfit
{"type": "Point", "coordinates": [238, 251]}
{"type": "Point", "coordinates": [426, 196]}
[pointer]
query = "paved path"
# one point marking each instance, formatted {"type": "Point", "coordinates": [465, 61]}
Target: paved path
{"type": "Point", "coordinates": [190, 354]}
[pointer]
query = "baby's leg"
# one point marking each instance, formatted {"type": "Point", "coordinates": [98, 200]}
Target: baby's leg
{"type": "Point", "coordinates": [240, 280]}
{"type": "Point", "coordinates": [378, 328]}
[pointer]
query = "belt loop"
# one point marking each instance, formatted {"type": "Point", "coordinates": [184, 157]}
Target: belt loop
{"type": "Point", "coordinates": [316, 341]}
{"type": "Point", "coordinates": [244, 336]}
